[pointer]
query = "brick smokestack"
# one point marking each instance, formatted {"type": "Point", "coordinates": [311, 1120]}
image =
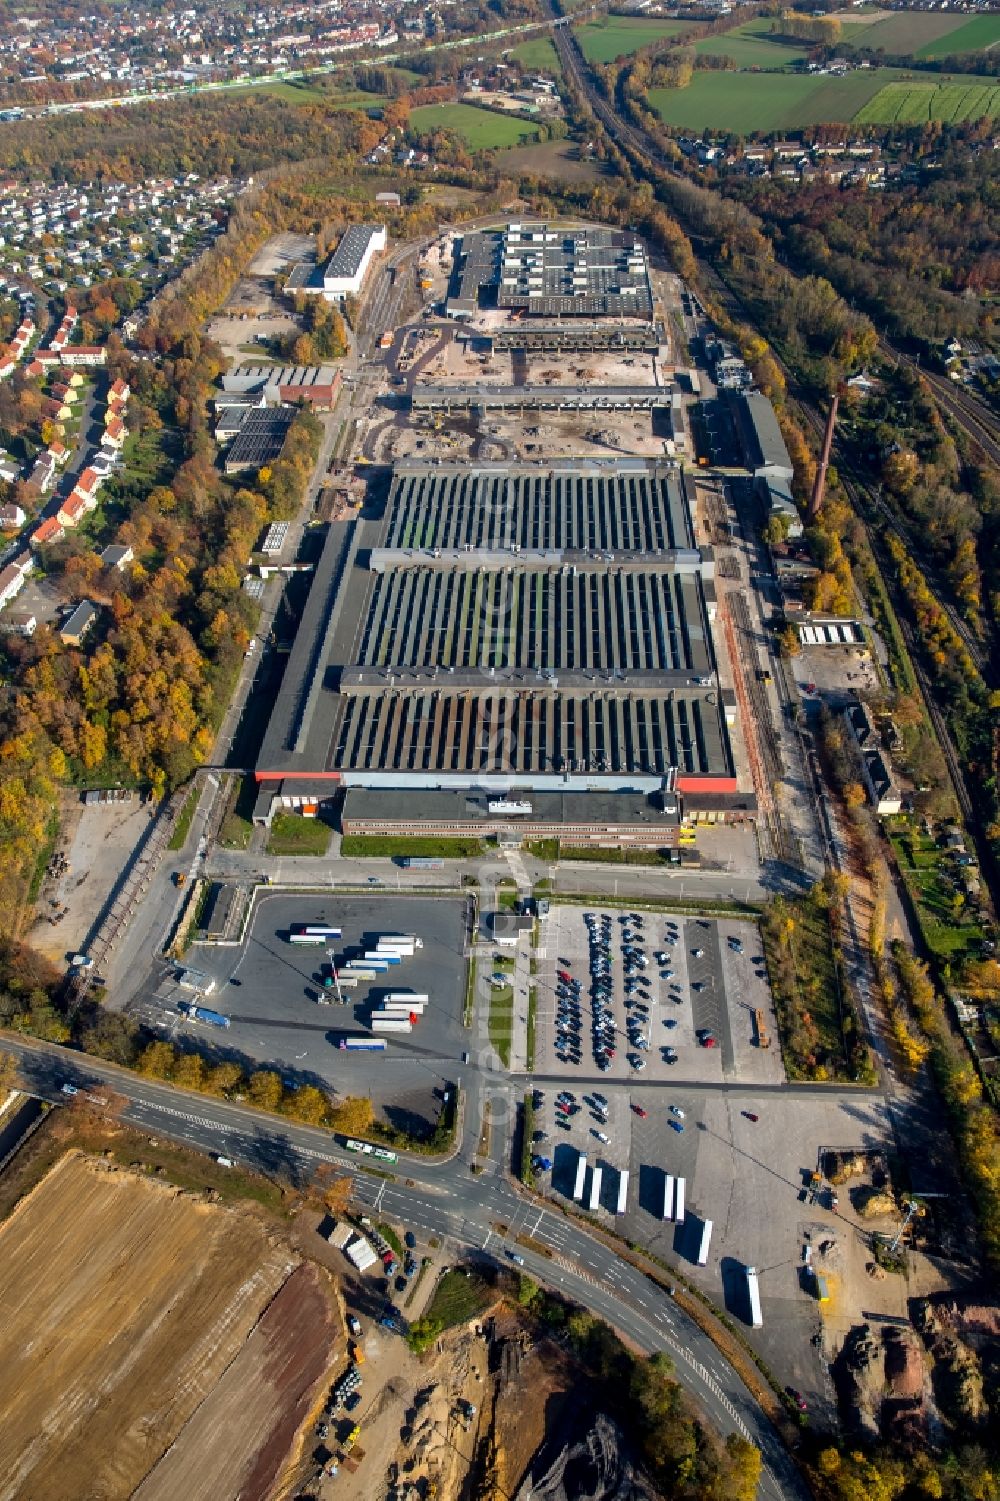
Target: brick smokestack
{"type": "Point", "coordinates": [819, 488]}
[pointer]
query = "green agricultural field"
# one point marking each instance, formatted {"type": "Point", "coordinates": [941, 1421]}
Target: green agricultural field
{"type": "Point", "coordinates": [619, 36]}
{"type": "Point", "coordinates": [291, 93]}
{"type": "Point", "coordinates": [768, 102]}
{"type": "Point", "coordinates": [480, 129]}
{"type": "Point", "coordinates": [906, 33]}
{"type": "Point", "coordinates": [355, 99]}
{"type": "Point", "coordinates": [539, 55]}
{"type": "Point", "coordinates": [976, 35]}
{"type": "Point", "coordinates": [742, 102]}
{"type": "Point", "coordinates": [753, 45]}
{"type": "Point", "coordinates": [913, 103]}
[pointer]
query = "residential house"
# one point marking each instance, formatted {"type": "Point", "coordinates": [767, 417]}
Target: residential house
{"type": "Point", "coordinates": [876, 768]}
{"type": "Point", "coordinates": [11, 518]}
{"type": "Point", "coordinates": [19, 623]}
{"type": "Point", "coordinates": [13, 576]}
{"type": "Point", "coordinates": [46, 532]}
{"type": "Point", "coordinates": [117, 557]}
{"type": "Point", "coordinates": [78, 624]}
{"type": "Point", "coordinates": [84, 355]}
{"type": "Point", "coordinates": [72, 510]}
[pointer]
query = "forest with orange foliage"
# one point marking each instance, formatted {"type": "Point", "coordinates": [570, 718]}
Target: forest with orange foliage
{"type": "Point", "coordinates": [142, 700]}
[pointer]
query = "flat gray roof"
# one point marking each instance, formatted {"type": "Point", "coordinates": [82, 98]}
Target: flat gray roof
{"type": "Point", "coordinates": [349, 254]}
{"type": "Point", "coordinates": [759, 435]}
{"type": "Point", "coordinates": [438, 671]}
{"type": "Point", "coordinates": [363, 805]}
{"type": "Point", "coordinates": [632, 506]}
{"type": "Point", "coordinates": [555, 271]}
{"type": "Point", "coordinates": [261, 437]}
{"type": "Point", "coordinates": [427, 395]}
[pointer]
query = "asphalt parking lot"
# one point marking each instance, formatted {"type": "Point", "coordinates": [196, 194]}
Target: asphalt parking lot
{"type": "Point", "coordinates": [709, 983]}
{"type": "Point", "coordinates": [747, 1176]}
{"type": "Point", "coordinates": [269, 987]}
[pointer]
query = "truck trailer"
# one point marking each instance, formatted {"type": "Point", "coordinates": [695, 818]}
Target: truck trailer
{"type": "Point", "coordinates": [412, 1008]}
{"type": "Point", "coordinates": [402, 939]}
{"type": "Point", "coordinates": [407, 997]}
{"type": "Point", "coordinates": [581, 1173]}
{"type": "Point", "coordinates": [391, 1023]}
{"type": "Point", "coordinates": [680, 1195]}
{"type": "Point", "coordinates": [668, 1196]}
{"type": "Point", "coordinates": [622, 1204]}
{"type": "Point", "coordinates": [379, 959]}
{"type": "Point", "coordinates": [203, 1014]}
{"type": "Point", "coordinates": [753, 1292]}
{"type": "Point", "coordinates": [359, 1044]}
{"type": "Point", "coordinates": [421, 862]}
{"type": "Point", "coordinates": [704, 1243]}
{"type": "Point", "coordinates": [595, 1188]}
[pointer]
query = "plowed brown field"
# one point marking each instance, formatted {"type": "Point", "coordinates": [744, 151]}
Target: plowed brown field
{"type": "Point", "coordinates": [132, 1324]}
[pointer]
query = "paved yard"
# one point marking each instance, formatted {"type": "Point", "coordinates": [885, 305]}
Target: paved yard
{"type": "Point", "coordinates": [269, 989]}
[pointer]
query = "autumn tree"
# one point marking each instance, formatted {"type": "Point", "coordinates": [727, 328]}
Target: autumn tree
{"type": "Point", "coordinates": [353, 1115]}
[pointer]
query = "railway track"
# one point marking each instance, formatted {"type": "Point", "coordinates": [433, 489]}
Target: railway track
{"type": "Point", "coordinates": [970, 415]}
{"type": "Point", "coordinates": [866, 500]}
{"type": "Point", "coordinates": [982, 425]}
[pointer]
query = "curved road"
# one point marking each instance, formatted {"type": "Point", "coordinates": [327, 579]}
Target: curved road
{"type": "Point", "coordinates": [483, 1212]}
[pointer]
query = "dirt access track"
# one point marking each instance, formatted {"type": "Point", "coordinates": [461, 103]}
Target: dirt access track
{"type": "Point", "coordinates": [153, 1343]}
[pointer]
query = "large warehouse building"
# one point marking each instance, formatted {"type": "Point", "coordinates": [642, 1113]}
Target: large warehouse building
{"type": "Point", "coordinates": [512, 637]}
{"type": "Point", "coordinates": [551, 271]}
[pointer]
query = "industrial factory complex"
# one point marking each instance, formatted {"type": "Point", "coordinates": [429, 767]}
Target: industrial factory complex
{"type": "Point", "coordinates": [512, 640]}
{"type": "Point", "coordinates": [540, 633]}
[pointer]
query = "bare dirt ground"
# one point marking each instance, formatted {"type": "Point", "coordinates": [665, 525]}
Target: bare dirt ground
{"type": "Point", "coordinates": [237, 1441]}
{"type": "Point", "coordinates": [550, 159]}
{"type": "Point", "coordinates": [97, 843]}
{"type": "Point", "coordinates": [126, 1301]}
{"type": "Point", "coordinates": [239, 337]}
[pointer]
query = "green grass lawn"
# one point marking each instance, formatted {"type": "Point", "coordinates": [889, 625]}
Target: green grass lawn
{"type": "Point", "coordinates": [357, 846]}
{"type": "Point", "coordinates": [975, 35]}
{"type": "Point", "coordinates": [540, 55]}
{"type": "Point", "coordinates": [597, 856]}
{"type": "Point", "coordinates": [619, 36]}
{"type": "Point", "coordinates": [947, 931]}
{"type": "Point", "coordinates": [183, 825]}
{"type": "Point", "coordinates": [501, 1021]}
{"type": "Point", "coordinates": [914, 102]}
{"type": "Point", "coordinates": [754, 45]}
{"type": "Point", "coordinates": [294, 92]}
{"type": "Point", "coordinates": [291, 834]}
{"type": "Point", "coordinates": [355, 99]}
{"type": "Point", "coordinates": [803, 976]}
{"type": "Point", "coordinates": [459, 1297]}
{"type": "Point", "coordinates": [480, 129]}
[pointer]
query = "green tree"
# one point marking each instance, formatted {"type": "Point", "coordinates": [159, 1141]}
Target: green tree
{"type": "Point", "coordinates": [354, 1115]}
{"type": "Point", "coordinates": [189, 1071]}
{"type": "Point", "coordinates": [265, 1089]}
{"type": "Point", "coordinates": [308, 1104]}
{"type": "Point", "coordinates": [422, 1334]}
{"type": "Point", "coordinates": [157, 1061]}
{"type": "Point", "coordinates": [223, 1078]}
